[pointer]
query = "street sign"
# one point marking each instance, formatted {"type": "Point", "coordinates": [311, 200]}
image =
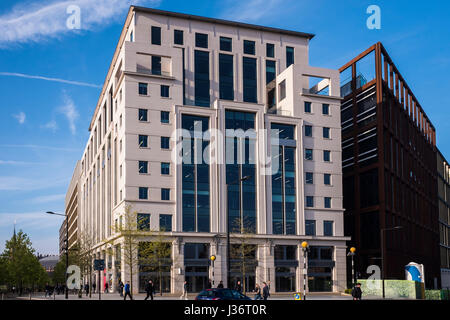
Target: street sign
{"type": "Point", "coordinates": [99, 264]}
{"type": "Point", "coordinates": [298, 296]}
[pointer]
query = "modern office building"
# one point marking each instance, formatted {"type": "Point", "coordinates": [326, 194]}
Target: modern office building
{"type": "Point", "coordinates": [389, 167]}
{"type": "Point", "coordinates": [72, 211]}
{"type": "Point", "coordinates": [232, 87]}
{"type": "Point", "coordinates": [443, 169]}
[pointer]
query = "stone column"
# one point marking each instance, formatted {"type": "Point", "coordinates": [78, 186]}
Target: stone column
{"type": "Point", "coordinates": [220, 265]}
{"type": "Point", "coordinates": [177, 270]}
{"type": "Point", "coordinates": [340, 268]}
{"type": "Point", "coordinates": [265, 271]}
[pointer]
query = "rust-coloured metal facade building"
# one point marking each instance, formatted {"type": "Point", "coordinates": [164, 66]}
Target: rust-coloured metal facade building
{"type": "Point", "coordinates": [389, 166]}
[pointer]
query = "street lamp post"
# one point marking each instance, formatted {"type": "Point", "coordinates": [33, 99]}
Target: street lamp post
{"type": "Point", "coordinates": [352, 254]}
{"type": "Point", "coordinates": [240, 180]}
{"type": "Point", "coordinates": [212, 258]}
{"type": "Point", "coordinates": [305, 268]}
{"type": "Point", "coordinates": [382, 254]}
{"type": "Point", "coordinates": [66, 248]}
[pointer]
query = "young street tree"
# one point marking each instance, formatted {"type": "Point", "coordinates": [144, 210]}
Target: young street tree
{"type": "Point", "coordinates": [155, 255]}
{"type": "Point", "coordinates": [241, 250]}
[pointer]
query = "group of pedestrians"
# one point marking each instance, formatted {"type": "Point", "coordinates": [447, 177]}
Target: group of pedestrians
{"type": "Point", "coordinates": [263, 294]}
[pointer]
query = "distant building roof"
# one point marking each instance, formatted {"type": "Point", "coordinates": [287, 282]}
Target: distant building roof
{"type": "Point", "coordinates": [49, 262]}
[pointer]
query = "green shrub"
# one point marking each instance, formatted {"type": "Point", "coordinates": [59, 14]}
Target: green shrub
{"type": "Point", "coordinates": [432, 294]}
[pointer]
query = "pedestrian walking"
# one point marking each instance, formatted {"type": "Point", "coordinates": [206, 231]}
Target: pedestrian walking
{"type": "Point", "coordinates": [266, 293]}
{"type": "Point", "coordinates": [127, 291]}
{"type": "Point", "coordinates": [150, 289]}
{"type": "Point", "coordinates": [86, 289]}
{"type": "Point", "coordinates": [120, 288]}
{"type": "Point", "coordinates": [106, 287]}
{"type": "Point", "coordinates": [94, 286]}
{"type": "Point", "coordinates": [357, 292]}
{"type": "Point", "coordinates": [220, 286]}
{"type": "Point", "coordinates": [47, 290]}
{"type": "Point", "coordinates": [257, 292]}
{"type": "Point", "coordinates": [238, 287]}
{"type": "Point", "coordinates": [185, 291]}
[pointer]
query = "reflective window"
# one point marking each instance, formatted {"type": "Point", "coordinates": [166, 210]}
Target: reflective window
{"type": "Point", "coordinates": [250, 81]}
{"type": "Point", "coordinates": [289, 56]}
{"type": "Point", "coordinates": [308, 131]}
{"type": "Point", "coordinates": [165, 168]}
{"type": "Point", "coordinates": [328, 228]}
{"type": "Point", "coordinates": [327, 202]}
{"type": "Point", "coordinates": [143, 193]}
{"type": "Point", "coordinates": [226, 77]}
{"type": "Point", "coordinates": [201, 77]}
{"type": "Point", "coordinates": [201, 40]}
{"type": "Point", "coordinates": [143, 141]}
{"type": "Point", "coordinates": [310, 227]}
{"type": "Point", "coordinates": [327, 179]}
{"type": "Point", "coordinates": [325, 109]}
{"type": "Point", "coordinates": [308, 154]}
{"type": "Point", "coordinates": [309, 177]}
{"type": "Point", "coordinates": [143, 221]}
{"type": "Point", "coordinates": [326, 155]}
{"type": "Point", "coordinates": [178, 37]}
{"type": "Point", "coordinates": [143, 166]}
{"type": "Point", "coordinates": [326, 133]}
{"type": "Point", "coordinates": [143, 115]}
{"type": "Point", "coordinates": [156, 35]}
{"type": "Point", "coordinates": [164, 91]}
{"type": "Point", "coordinates": [156, 65]}
{"type": "Point", "coordinates": [270, 71]}
{"type": "Point", "coordinates": [284, 131]}
{"type": "Point", "coordinates": [309, 201]}
{"type": "Point", "coordinates": [270, 50]}
{"type": "Point", "coordinates": [165, 116]}
{"type": "Point", "coordinates": [226, 44]}
{"type": "Point", "coordinates": [307, 107]}
{"type": "Point", "coordinates": [165, 222]}
{"type": "Point", "coordinates": [249, 47]}
{"type": "Point", "coordinates": [165, 142]}
{"type": "Point", "coordinates": [165, 194]}
{"type": "Point", "coordinates": [143, 88]}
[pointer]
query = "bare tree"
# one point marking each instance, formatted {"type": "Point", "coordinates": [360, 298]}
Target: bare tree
{"type": "Point", "coordinates": [85, 256]}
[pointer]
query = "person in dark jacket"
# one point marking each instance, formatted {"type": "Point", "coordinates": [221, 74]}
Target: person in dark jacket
{"type": "Point", "coordinates": [150, 289]}
{"type": "Point", "coordinates": [266, 293]}
{"type": "Point", "coordinates": [220, 286]}
{"type": "Point", "coordinates": [357, 292]}
{"type": "Point", "coordinates": [127, 289]}
{"type": "Point", "coordinates": [121, 288]}
{"type": "Point", "coordinates": [86, 289]}
{"type": "Point", "coordinates": [94, 286]}
{"type": "Point", "coordinates": [257, 292]}
{"type": "Point", "coordinates": [238, 287]}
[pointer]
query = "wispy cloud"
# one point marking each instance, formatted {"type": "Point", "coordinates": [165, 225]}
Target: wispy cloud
{"type": "Point", "coordinates": [48, 198]}
{"type": "Point", "coordinates": [38, 20]}
{"type": "Point", "coordinates": [70, 112]}
{"type": "Point", "coordinates": [20, 117]}
{"type": "Point", "coordinates": [51, 125]}
{"type": "Point", "coordinates": [27, 220]}
{"type": "Point", "coordinates": [39, 147]}
{"type": "Point", "coordinates": [251, 10]}
{"type": "Point", "coordinates": [18, 163]}
{"type": "Point", "coordinates": [29, 76]}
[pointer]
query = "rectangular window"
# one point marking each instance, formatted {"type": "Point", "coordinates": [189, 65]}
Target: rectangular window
{"type": "Point", "coordinates": [326, 133]}
{"type": "Point", "coordinates": [165, 222]}
{"type": "Point", "coordinates": [250, 82]}
{"type": "Point", "coordinates": [143, 221]}
{"type": "Point", "coordinates": [310, 227]}
{"type": "Point", "coordinates": [165, 194]}
{"type": "Point", "coordinates": [325, 109]}
{"type": "Point", "coordinates": [165, 142]}
{"type": "Point", "coordinates": [308, 131]}
{"type": "Point", "coordinates": [326, 155]}
{"type": "Point", "coordinates": [165, 168]}
{"type": "Point", "coordinates": [156, 35]}
{"type": "Point", "coordinates": [327, 179]}
{"type": "Point", "coordinates": [307, 107]}
{"type": "Point", "coordinates": [328, 228]}
{"type": "Point", "coordinates": [143, 166]}
{"type": "Point", "coordinates": [309, 201]}
{"type": "Point", "coordinates": [165, 116]}
{"type": "Point", "coordinates": [226, 77]}
{"type": "Point", "coordinates": [165, 91]}
{"type": "Point", "coordinates": [308, 154]}
{"type": "Point", "coordinates": [156, 65]}
{"type": "Point", "coordinates": [270, 72]}
{"type": "Point", "coordinates": [226, 44]}
{"type": "Point", "coordinates": [270, 50]}
{"type": "Point", "coordinates": [201, 78]}
{"type": "Point", "coordinates": [282, 90]}
{"type": "Point", "coordinates": [289, 56]}
{"type": "Point", "coordinates": [327, 202]}
{"type": "Point", "coordinates": [143, 115]}
{"type": "Point", "coordinates": [309, 178]}
{"type": "Point", "coordinates": [131, 36]}
{"type": "Point", "coordinates": [249, 47]}
{"type": "Point", "coordinates": [143, 193]}
{"type": "Point", "coordinates": [143, 88]}
{"type": "Point", "coordinates": [178, 37]}
{"type": "Point", "coordinates": [201, 40]}
{"type": "Point", "coordinates": [143, 141]}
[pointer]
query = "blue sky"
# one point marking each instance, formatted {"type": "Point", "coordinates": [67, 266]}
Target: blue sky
{"type": "Point", "coordinates": [50, 79]}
